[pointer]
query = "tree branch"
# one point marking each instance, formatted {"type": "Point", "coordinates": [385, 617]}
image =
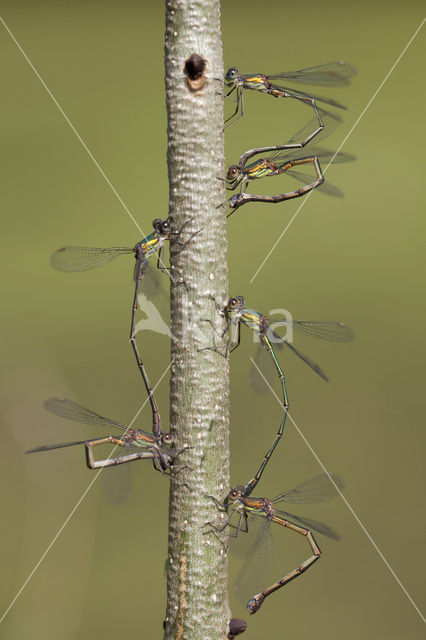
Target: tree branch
{"type": "Point", "coordinates": [197, 602]}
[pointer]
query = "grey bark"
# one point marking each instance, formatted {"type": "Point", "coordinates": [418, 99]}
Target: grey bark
{"type": "Point", "coordinates": [197, 599]}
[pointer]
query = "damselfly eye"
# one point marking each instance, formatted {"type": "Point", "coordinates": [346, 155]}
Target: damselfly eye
{"type": "Point", "coordinates": [157, 223]}
{"type": "Point", "coordinates": [233, 302]}
{"type": "Point", "coordinates": [167, 438]}
{"type": "Point", "coordinates": [231, 73]}
{"type": "Point", "coordinates": [233, 494]}
{"type": "Point", "coordinates": [165, 226]}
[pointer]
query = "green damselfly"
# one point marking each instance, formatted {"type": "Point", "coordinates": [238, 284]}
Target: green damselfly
{"type": "Point", "coordinates": [237, 314]}
{"type": "Point", "coordinates": [326, 75]}
{"type": "Point", "coordinates": [140, 444]}
{"type": "Point", "coordinates": [280, 161]}
{"type": "Point", "coordinates": [277, 163]}
{"type": "Point", "coordinates": [240, 174]}
{"type": "Point", "coordinates": [72, 259]}
{"type": "Point", "coordinates": [267, 167]}
{"type": "Point", "coordinates": [317, 489]}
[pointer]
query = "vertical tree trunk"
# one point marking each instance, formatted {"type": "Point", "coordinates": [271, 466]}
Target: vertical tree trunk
{"type": "Point", "coordinates": [197, 603]}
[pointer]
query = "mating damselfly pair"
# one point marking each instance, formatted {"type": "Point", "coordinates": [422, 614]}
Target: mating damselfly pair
{"type": "Point", "coordinates": [288, 155]}
{"type": "Point", "coordinates": [138, 443]}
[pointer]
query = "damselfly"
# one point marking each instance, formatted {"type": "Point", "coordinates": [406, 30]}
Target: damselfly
{"type": "Point", "coordinates": [265, 167]}
{"type": "Point", "coordinates": [242, 172]}
{"type": "Point", "coordinates": [318, 489]}
{"type": "Point", "coordinates": [281, 161]}
{"type": "Point", "coordinates": [237, 314]}
{"type": "Point", "coordinates": [326, 75]}
{"type": "Point", "coordinates": [142, 445]}
{"type": "Point", "coordinates": [73, 259]}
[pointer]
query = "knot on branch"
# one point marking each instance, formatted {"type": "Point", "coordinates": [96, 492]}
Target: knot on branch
{"type": "Point", "coordinates": [236, 626]}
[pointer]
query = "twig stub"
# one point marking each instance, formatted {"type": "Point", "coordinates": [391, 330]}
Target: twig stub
{"type": "Point", "coordinates": [236, 626]}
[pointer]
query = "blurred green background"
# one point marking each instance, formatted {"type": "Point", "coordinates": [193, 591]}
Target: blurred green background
{"type": "Point", "coordinates": [359, 260]}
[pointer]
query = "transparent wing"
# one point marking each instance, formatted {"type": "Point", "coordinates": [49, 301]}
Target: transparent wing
{"type": "Point", "coordinates": [156, 282]}
{"type": "Point", "coordinates": [257, 566]}
{"type": "Point", "coordinates": [116, 484]}
{"type": "Point", "coordinates": [267, 368]}
{"type": "Point", "coordinates": [151, 283]}
{"type": "Point", "coordinates": [329, 331]}
{"type": "Point", "coordinates": [331, 122]}
{"type": "Point", "coordinates": [264, 363]}
{"type": "Point", "coordinates": [61, 445]}
{"type": "Point", "coordinates": [330, 156]}
{"type": "Point", "coordinates": [73, 411]}
{"type": "Point", "coordinates": [314, 525]}
{"type": "Point", "coordinates": [326, 187]}
{"type": "Point", "coordinates": [324, 154]}
{"type": "Point", "coordinates": [84, 258]}
{"type": "Point", "coordinates": [129, 448]}
{"type": "Point", "coordinates": [295, 93]}
{"type": "Point", "coordinates": [331, 74]}
{"type": "Point", "coordinates": [317, 489]}
{"type": "Point", "coordinates": [315, 367]}
{"type": "Point", "coordinates": [322, 330]}
{"type": "Point", "coordinates": [153, 301]}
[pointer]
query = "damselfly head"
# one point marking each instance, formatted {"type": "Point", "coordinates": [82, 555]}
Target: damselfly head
{"type": "Point", "coordinates": [166, 438]}
{"type": "Point", "coordinates": [235, 201]}
{"type": "Point", "coordinates": [157, 223]}
{"type": "Point", "coordinates": [161, 226]}
{"type": "Point", "coordinates": [232, 172]}
{"type": "Point", "coordinates": [235, 493]}
{"type": "Point", "coordinates": [234, 303]}
{"type": "Point", "coordinates": [232, 74]}
{"type": "Point", "coordinates": [255, 603]}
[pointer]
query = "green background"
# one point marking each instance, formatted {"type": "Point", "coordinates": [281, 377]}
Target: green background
{"type": "Point", "coordinates": [359, 260]}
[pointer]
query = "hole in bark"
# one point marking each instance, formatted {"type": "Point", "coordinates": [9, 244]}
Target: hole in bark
{"type": "Point", "coordinates": [194, 70]}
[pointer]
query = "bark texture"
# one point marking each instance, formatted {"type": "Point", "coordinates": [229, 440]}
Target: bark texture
{"type": "Point", "coordinates": [197, 599]}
